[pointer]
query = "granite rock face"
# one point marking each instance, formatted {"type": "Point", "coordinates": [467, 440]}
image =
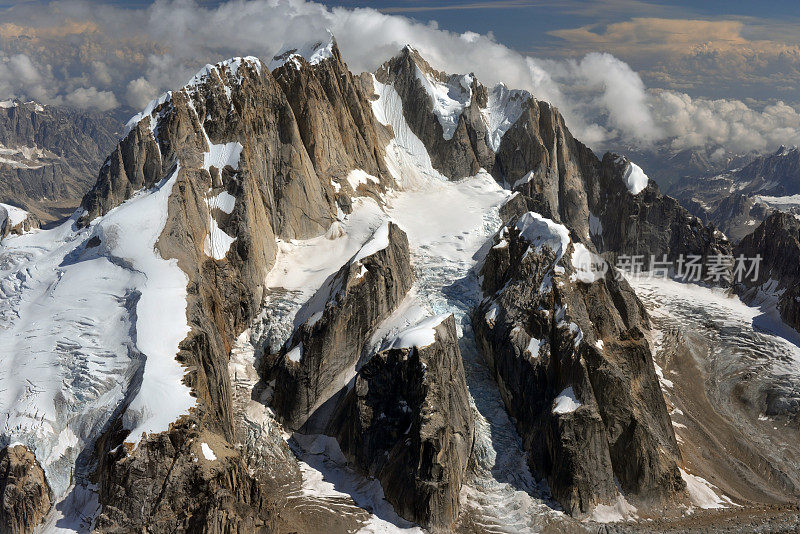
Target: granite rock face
{"type": "Point", "coordinates": [459, 153]}
{"type": "Point", "coordinates": [539, 158]}
{"type": "Point", "coordinates": [649, 223]}
{"type": "Point", "coordinates": [230, 133]}
{"type": "Point", "coordinates": [334, 118]}
{"type": "Point", "coordinates": [337, 322]}
{"type": "Point", "coordinates": [25, 493]}
{"type": "Point", "coordinates": [566, 345]}
{"type": "Point", "coordinates": [407, 421]}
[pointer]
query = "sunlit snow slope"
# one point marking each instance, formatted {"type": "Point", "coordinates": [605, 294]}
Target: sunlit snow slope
{"type": "Point", "coordinates": [91, 320]}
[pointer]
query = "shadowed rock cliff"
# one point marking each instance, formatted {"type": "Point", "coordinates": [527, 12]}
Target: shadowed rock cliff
{"type": "Point", "coordinates": [565, 340]}
{"type": "Point", "coordinates": [407, 421]}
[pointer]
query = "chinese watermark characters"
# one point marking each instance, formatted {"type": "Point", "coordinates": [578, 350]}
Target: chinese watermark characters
{"type": "Point", "coordinates": [714, 268]}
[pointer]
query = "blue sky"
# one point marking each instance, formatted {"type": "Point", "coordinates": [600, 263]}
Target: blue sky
{"type": "Point", "coordinates": [524, 25]}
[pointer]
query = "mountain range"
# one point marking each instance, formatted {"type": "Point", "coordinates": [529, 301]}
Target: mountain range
{"type": "Point", "coordinates": [299, 299]}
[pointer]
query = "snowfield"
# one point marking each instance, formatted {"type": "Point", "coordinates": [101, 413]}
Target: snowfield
{"type": "Point", "coordinates": [91, 318]}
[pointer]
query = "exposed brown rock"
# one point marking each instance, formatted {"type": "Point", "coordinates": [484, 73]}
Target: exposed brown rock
{"type": "Point", "coordinates": [26, 495]}
{"type": "Point", "coordinates": [334, 118]}
{"type": "Point", "coordinates": [162, 485]}
{"type": "Point", "coordinates": [648, 223]}
{"type": "Point", "coordinates": [467, 151]}
{"type": "Point", "coordinates": [539, 158]}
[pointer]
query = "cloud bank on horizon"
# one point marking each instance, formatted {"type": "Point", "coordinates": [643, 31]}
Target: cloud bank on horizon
{"type": "Point", "coordinates": [86, 55]}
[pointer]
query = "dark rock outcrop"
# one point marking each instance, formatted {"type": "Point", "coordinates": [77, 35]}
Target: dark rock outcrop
{"type": "Point", "coordinates": [560, 178]}
{"type": "Point", "coordinates": [567, 347]}
{"type": "Point", "coordinates": [407, 421]}
{"type": "Point", "coordinates": [337, 322]}
{"type": "Point", "coordinates": [776, 241]}
{"type": "Point", "coordinates": [26, 495]}
{"type": "Point", "coordinates": [168, 485]}
{"type": "Point", "coordinates": [539, 158]}
{"type": "Point", "coordinates": [649, 223]}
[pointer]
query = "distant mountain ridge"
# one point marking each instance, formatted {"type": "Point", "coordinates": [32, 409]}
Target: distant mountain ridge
{"type": "Point", "coordinates": [49, 155]}
{"type": "Point", "coordinates": [739, 199]}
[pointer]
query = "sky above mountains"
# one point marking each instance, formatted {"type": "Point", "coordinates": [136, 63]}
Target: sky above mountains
{"type": "Point", "coordinates": [622, 71]}
{"type": "Point", "coordinates": [713, 48]}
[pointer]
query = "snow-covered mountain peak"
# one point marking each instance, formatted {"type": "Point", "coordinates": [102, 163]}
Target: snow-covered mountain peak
{"type": "Point", "coordinates": [450, 95]}
{"type": "Point", "coordinates": [229, 67]}
{"type": "Point", "coordinates": [16, 102]}
{"type": "Point", "coordinates": [228, 72]}
{"type": "Point", "coordinates": [313, 52]}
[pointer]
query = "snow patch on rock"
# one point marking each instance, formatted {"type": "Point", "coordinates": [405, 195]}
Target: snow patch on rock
{"type": "Point", "coordinates": [357, 177]}
{"type": "Point", "coordinates": [635, 178]}
{"type": "Point", "coordinates": [422, 334]}
{"type": "Point", "coordinates": [702, 493]}
{"type": "Point", "coordinates": [378, 242]}
{"type": "Point", "coordinates": [208, 453]}
{"type": "Point", "coordinates": [11, 215]}
{"type": "Point", "coordinates": [224, 202]}
{"type": "Point", "coordinates": [448, 98]}
{"type": "Point", "coordinates": [566, 402]}
{"type": "Point", "coordinates": [503, 108]}
{"type": "Point", "coordinates": [540, 232]}
{"type": "Point", "coordinates": [313, 52]}
{"type": "Point", "coordinates": [619, 510]}
{"type": "Point", "coordinates": [216, 243]}
{"type": "Point", "coordinates": [589, 267]}
{"type": "Point", "coordinates": [407, 157]}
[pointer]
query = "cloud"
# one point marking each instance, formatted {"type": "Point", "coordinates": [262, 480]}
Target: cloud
{"type": "Point", "coordinates": [711, 57]}
{"type": "Point", "coordinates": [603, 89]}
{"type": "Point", "coordinates": [727, 123]}
{"type": "Point", "coordinates": [495, 4]}
{"type": "Point", "coordinates": [91, 98]}
{"type": "Point", "coordinates": [84, 54]}
{"type": "Point", "coordinates": [140, 92]}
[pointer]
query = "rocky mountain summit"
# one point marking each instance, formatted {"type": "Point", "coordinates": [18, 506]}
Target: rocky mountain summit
{"type": "Point", "coordinates": [26, 496]}
{"type": "Point", "coordinates": [292, 315]}
{"type": "Point", "coordinates": [407, 421]}
{"type": "Point", "coordinates": [777, 242]}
